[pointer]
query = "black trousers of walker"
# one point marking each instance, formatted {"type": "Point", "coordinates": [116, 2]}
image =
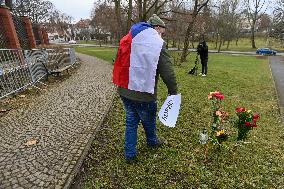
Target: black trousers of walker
{"type": "Point", "coordinates": [204, 62]}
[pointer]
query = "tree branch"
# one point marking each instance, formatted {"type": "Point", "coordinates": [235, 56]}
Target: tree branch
{"type": "Point", "coordinates": [156, 1]}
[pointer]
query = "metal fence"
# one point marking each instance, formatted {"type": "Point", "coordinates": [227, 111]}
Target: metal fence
{"type": "Point", "coordinates": [36, 34]}
{"type": "Point", "coordinates": [59, 59]}
{"type": "Point", "coordinates": [20, 69]}
{"type": "Point", "coordinates": [21, 32]}
{"type": "Point", "coordinates": [3, 39]}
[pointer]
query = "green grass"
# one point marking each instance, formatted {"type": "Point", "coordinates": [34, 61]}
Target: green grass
{"type": "Point", "coordinates": [244, 44]}
{"type": "Point", "coordinates": [106, 54]}
{"type": "Point", "coordinates": [245, 81]}
{"type": "Point", "coordinates": [95, 42]}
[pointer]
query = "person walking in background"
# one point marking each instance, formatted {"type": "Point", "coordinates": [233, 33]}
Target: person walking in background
{"type": "Point", "coordinates": [142, 57]}
{"type": "Point", "coordinates": [202, 50]}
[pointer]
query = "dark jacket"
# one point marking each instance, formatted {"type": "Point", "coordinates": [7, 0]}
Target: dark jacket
{"type": "Point", "coordinates": [202, 50]}
{"type": "Point", "coordinates": [165, 70]}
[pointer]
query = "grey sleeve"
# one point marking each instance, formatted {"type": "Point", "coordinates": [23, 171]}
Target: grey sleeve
{"type": "Point", "coordinates": [166, 71]}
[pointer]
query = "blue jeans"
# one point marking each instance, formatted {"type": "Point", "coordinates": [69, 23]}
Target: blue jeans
{"type": "Point", "coordinates": [137, 111]}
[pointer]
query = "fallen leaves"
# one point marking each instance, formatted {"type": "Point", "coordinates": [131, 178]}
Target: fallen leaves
{"type": "Point", "coordinates": [4, 110]}
{"type": "Point", "coordinates": [31, 142]}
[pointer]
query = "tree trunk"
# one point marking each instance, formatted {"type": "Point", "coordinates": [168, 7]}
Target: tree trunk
{"type": "Point", "coordinates": [144, 10]}
{"type": "Point", "coordinates": [252, 37]}
{"type": "Point", "coordinates": [167, 43]}
{"type": "Point", "coordinates": [197, 8]}
{"type": "Point", "coordinates": [192, 40]}
{"type": "Point", "coordinates": [156, 7]}
{"type": "Point", "coordinates": [174, 43]}
{"type": "Point", "coordinates": [140, 11]}
{"type": "Point", "coordinates": [216, 42]}
{"type": "Point", "coordinates": [237, 40]}
{"type": "Point", "coordinates": [220, 44]}
{"type": "Point", "coordinates": [118, 17]}
{"type": "Point", "coordinates": [228, 44]}
{"type": "Point", "coordinates": [186, 42]}
{"type": "Point", "coordinates": [129, 13]}
{"type": "Point", "coordinates": [192, 44]}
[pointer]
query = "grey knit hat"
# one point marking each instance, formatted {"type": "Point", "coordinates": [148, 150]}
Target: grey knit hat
{"type": "Point", "coordinates": [156, 21]}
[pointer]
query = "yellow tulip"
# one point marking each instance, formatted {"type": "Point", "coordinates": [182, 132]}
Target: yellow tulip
{"type": "Point", "coordinates": [221, 132]}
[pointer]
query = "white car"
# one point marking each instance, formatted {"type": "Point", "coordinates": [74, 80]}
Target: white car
{"type": "Point", "coordinates": [72, 42]}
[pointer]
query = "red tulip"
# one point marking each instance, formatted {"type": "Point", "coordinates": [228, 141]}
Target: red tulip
{"type": "Point", "coordinates": [240, 109]}
{"type": "Point", "coordinates": [256, 116]}
{"type": "Point", "coordinates": [248, 124]}
{"type": "Point", "coordinates": [219, 96]}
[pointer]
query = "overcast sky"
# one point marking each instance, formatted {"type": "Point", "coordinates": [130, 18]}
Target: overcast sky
{"type": "Point", "coordinates": [76, 9]}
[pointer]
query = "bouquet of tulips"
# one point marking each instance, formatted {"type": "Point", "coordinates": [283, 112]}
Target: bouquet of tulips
{"type": "Point", "coordinates": [246, 121]}
{"type": "Point", "coordinates": [218, 134]}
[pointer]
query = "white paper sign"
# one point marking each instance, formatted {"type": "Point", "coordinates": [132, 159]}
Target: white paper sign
{"type": "Point", "coordinates": [168, 113]}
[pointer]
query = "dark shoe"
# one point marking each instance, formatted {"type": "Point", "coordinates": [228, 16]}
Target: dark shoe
{"type": "Point", "coordinates": [159, 143]}
{"type": "Point", "coordinates": [131, 160]}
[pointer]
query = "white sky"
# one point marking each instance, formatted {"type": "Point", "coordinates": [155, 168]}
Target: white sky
{"type": "Point", "coordinates": [76, 9]}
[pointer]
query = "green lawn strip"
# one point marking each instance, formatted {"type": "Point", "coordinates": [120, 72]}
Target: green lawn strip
{"type": "Point", "coordinates": [95, 42]}
{"type": "Point", "coordinates": [245, 81]}
{"type": "Point", "coordinates": [106, 54]}
{"type": "Point", "coordinates": [244, 44]}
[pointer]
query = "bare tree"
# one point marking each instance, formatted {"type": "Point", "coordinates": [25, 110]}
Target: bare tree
{"type": "Point", "coordinates": [39, 11]}
{"type": "Point", "coordinates": [117, 4]}
{"type": "Point", "coordinates": [254, 10]}
{"type": "Point", "coordinates": [126, 12]}
{"type": "Point", "coordinates": [278, 21]}
{"type": "Point", "coordinates": [143, 9]}
{"type": "Point", "coordinates": [264, 23]}
{"type": "Point", "coordinates": [227, 21]}
{"type": "Point", "coordinates": [60, 23]}
{"type": "Point", "coordinates": [175, 15]}
{"type": "Point", "coordinates": [197, 7]}
{"type": "Point", "coordinates": [103, 19]}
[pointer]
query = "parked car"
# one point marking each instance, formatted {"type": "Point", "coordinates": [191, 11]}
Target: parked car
{"type": "Point", "coordinates": [265, 51]}
{"type": "Point", "coordinates": [72, 42]}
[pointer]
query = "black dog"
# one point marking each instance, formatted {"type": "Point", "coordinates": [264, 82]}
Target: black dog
{"type": "Point", "coordinates": [195, 68]}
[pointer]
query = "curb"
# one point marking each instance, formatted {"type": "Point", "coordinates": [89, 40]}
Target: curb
{"type": "Point", "coordinates": [282, 114]}
{"type": "Point", "coordinates": [281, 109]}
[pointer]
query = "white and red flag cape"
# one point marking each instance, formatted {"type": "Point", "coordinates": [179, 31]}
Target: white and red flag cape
{"type": "Point", "coordinates": [137, 58]}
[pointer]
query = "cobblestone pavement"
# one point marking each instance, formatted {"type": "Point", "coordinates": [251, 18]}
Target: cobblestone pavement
{"type": "Point", "coordinates": [59, 125]}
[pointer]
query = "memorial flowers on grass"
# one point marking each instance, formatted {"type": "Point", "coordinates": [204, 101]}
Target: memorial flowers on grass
{"type": "Point", "coordinates": [246, 121]}
{"type": "Point", "coordinates": [218, 131]}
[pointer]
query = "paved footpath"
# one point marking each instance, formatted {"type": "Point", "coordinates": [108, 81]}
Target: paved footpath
{"type": "Point", "coordinates": [277, 69]}
{"type": "Point", "coordinates": [59, 124]}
